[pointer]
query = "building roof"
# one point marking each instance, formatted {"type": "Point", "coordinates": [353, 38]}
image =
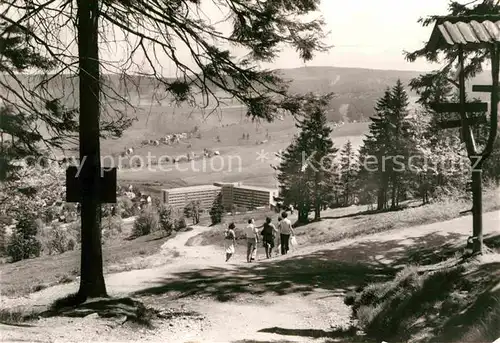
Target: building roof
{"type": "Point", "coordinates": [192, 189]}
{"type": "Point", "coordinates": [220, 184]}
{"type": "Point", "coordinates": [257, 188]}
{"type": "Point", "coordinates": [472, 31]}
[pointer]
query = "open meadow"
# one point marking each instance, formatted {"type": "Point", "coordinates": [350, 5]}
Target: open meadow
{"type": "Point", "coordinates": [244, 160]}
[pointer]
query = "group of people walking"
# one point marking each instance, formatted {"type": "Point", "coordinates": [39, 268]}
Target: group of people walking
{"type": "Point", "coordinates": [272, 236]}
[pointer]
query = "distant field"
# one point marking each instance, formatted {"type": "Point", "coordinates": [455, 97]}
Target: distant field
{"type": "Point", "coordinates": [154, 122]}
{"type": "Point", "coordinates": [238, 160]}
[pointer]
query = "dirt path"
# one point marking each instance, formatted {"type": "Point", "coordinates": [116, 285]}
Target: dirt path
{"type": "Point", "coordinates": [297, 298]}
{"type": "Point", "coordinates": [222, 321]}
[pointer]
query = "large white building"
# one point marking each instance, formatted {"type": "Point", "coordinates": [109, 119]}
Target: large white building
{"type": "Point", "coordinates": [181, 196]}
{"type": "Point", "coordinates": [250, 197]}
{"type": "Point", "coordinates": [233, 194]}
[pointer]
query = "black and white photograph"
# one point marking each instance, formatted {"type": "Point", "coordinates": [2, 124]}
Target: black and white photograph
{"type": "Point", "coordinates": [250, 171]}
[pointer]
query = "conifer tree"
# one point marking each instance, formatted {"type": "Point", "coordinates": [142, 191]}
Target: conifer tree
{"type": "Point", "coordinates": [307, 165]}
{"type": "Point", "coordinates": [374, 175]}
{"type": "Point", "coordinates": [217, 210]}
{"type": "Point", "coordinates": [349, 169]}
{"type": "Point", "coordinates": [386, 150]}
{"type": "Point", "coordinates": [400, 143]}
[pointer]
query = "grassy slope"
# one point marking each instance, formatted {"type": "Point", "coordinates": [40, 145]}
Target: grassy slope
{"type": "Point", "coordinates": [355, 221]}
{"type": "Point", "coordinates": [30, 275]}
{"type": "Point", "coordinates": [338, 224]}
{"type": "Point", "coordinates": [458, 303]}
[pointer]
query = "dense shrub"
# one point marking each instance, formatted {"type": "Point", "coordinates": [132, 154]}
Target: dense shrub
{"type": "Point", "coordinates": [71, 244]}
{"type": "Point", "coordinates": [126, 208]}
{"type": "Point", "coordinates": [58, 240]}
{"type": "Point", "coordinates": [146, 223]}
{"type": "Point", "coordinates": [165, 219]}
{"type": "Point", "coordinates": [75, 231]}
{"type": "Point", "coordinates": [50, 214]}
{"type": "Point", "coordinates": [21, 248]}
{"type": "Point", "coordinates": [217, 210]}
{"type": "Point", "coordinates": [180, 224]}
{"type": "Point", "coordinates": [156, 202]}
{"type": "Point", "coordinates": [111, 226]}
{"type": "Point", "coordinates": [23, 243]}
{"type": "Point", "coordinates": [193, 210]}
{"type": "Point", "coordinates": [389, 310]}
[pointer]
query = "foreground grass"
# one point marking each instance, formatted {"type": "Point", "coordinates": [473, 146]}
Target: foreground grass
{"type": "Point", "coordinates": [33, 275]}
{"type": "Point", "coordinates": [452, 304]}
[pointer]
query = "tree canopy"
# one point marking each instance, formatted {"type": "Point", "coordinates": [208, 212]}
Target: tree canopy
{"type": "Point", "coordinates": [157, 32]}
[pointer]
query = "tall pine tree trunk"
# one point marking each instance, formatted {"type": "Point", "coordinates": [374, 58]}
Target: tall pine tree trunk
{"type": "Point", "coordinates": [302, 213]}
{"type": "Point", "coordinates": [382, 193]}
{"type": "Point", "coordinates": [425, 189]}
{"type": "Point", "coordinates": [317, 197]}
{"type": "Point", "coordinates": [91, 274]}
{"type": "Point", "coordinates": [394, 192]}
{"type": "Point", "coordinates": [380, 198]}
{"type": "Point", "coordinates": [400, 195]}
{"type": "Point", "coordinates": [317, 209]}
{"type": "Point", "coordinates": [347, 190]}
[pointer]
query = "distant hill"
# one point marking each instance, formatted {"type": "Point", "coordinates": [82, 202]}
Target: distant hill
{"type": "Point", "coordinates": [356, 90]}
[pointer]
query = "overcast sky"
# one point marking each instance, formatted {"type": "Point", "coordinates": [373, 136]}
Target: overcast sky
{"type": "Point", "coordinates": [365, 33]}
{"type": "Point", "coordinates": [373, 33]}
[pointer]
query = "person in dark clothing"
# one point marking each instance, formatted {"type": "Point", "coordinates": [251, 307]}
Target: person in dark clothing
{"type": "Point", "coordinates": [268, 236]}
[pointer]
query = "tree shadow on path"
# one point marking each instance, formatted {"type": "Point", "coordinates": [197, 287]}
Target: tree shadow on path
{"type": "Point", "coordinates": [334, 335]}
{"type": "Point", "coordinates": [338, 269]}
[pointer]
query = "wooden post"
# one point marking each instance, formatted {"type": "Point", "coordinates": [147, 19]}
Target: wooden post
{"type": "Point", "coordinates": [477, 205]}
{"type": "Point", "coordinates": [472, 153]}
{"type": "Point", "coordinates": [479, 158]}
{"type": "Point", "coordinates": [466, 129]}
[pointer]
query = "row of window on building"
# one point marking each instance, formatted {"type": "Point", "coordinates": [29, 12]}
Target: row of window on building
{"type": "Point", "coordinates": [233, 194]}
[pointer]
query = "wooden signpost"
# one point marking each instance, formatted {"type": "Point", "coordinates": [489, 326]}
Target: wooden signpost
{"type": "Point", "coordinates": [476, 157]}
{"type": "Point", "coordinates": [472, 107]}
{"type": "Point", "coordinates": [466, 121]}
{"type": "Point", "coordinates": [454, 33]}
{"type": "Point", "coordinates": [74, 185]}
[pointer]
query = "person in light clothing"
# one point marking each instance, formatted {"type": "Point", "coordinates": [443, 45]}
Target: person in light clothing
{"type": "Point", "coordinates": [278, 237]}
{"type": "Point", "coordinates": [230, 239]}
{"type": "Point", "coordinates": [286, 231]}
{"type": "Point", "coordinates": [252, 235]}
